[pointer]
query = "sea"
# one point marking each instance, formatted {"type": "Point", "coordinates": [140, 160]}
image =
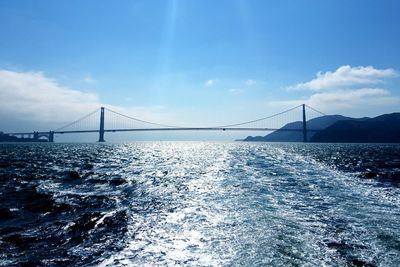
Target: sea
{"type": "Point", "coordinates": [199, 204]}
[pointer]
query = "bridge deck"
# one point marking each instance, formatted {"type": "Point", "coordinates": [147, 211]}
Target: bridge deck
{"type": "Point", "coordinates": [170, 129]}
{"type": "Point", "coordinates": [148, 126]}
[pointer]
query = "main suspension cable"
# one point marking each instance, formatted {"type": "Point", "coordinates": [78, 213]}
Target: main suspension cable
{"type": "Point", "coordinates": [79, 120]}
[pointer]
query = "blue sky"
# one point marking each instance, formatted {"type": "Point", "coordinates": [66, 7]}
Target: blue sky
{"type": "Point", "coordinates": [196, 61]}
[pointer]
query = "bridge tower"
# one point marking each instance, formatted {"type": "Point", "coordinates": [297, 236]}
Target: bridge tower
{"type": "Point", "coordinates": [304, 124]}
{"type": "Point", "coordinates": [35, 136]}
{"type": "Point", "coordinates": [101, 130]}
{"type": "Point", "coordinates": [51, 137]}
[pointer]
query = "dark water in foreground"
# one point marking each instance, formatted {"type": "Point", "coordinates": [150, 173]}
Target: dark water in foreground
{"type": "Point", "coordinates": [199, 204]}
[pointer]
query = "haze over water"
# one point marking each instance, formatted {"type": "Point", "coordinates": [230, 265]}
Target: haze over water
{"type": "Point", "coordinates": [199, 204]}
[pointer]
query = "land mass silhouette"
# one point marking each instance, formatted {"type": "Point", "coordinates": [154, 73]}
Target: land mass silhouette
{"type": "Point", "coordinates": [339, 129]}
{"type": "Point", "coordinates": [9, 138]}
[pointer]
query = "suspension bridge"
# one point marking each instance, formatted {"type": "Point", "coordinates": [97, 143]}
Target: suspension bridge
{"type": "Point", "coordinates": [104, 120]}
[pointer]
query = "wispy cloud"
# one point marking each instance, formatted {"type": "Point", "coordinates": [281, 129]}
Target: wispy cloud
{"type": "Point", "coordinates": [250, 82]}
{"type": "Point", "coordinates": [235, 90]}
{"type": "Point", "coordinates": [210, 83]}
{"type": "Point", "coordinates": [88, 79]}
{"type": "Point", "coordinates": [346, 76]}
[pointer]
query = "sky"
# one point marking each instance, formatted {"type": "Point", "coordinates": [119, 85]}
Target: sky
{"type": "Point", "coordinates": [195, 62]}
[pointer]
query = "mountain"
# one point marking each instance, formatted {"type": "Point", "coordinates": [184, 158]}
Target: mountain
{"type": "Point", "coordinates": [282, 135]}
{"type": "Point", "coordinates": [381, 129]}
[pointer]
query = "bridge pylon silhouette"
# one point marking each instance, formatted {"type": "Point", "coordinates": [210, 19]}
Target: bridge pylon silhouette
{"type": "Point", "coordinates": [104, 120]}
{"type": "Point", "coordinates": [304, 124]}
{"type": "Point", "coordinates": [101, 130]}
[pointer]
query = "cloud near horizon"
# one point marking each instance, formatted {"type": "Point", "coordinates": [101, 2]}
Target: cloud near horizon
{"type": "Point", "coordinates": [345, 88]}
{"type": "Point", "coordinates": [344, 99]}
{"type": "Point", "coordinates": [35, 98]}
{"type": "Point", "coordinates": [346, 76]}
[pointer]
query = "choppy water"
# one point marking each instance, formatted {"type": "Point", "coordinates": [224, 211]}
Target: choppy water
{"type": "Point", "coordinates": [199, 204]}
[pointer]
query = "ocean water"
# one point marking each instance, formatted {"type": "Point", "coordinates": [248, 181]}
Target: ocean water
{"type": "Point", "coordinates": [199, 204]}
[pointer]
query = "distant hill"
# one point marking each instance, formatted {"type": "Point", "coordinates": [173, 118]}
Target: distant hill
{"type": "Point", "coordinates": [281, 135]}
{"type": "Point", "coordinates": [381, 129]}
